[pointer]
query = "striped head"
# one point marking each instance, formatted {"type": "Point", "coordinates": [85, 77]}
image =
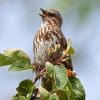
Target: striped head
{"type": "Point", "coordinates": [51, 16]}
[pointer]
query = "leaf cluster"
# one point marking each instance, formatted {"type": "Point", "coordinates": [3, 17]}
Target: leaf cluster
{"type": "Point", "coordinates": [55, 86]}
{"type": "Point", "coordinates": [16, 59]}
{"type": "Point", "coordinates": [58, 86]}
{"type": "Point", "coordinates": [55, 83]}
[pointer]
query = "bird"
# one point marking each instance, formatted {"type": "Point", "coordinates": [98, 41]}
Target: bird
{"type": "Point", "coordinates": [48, 35]}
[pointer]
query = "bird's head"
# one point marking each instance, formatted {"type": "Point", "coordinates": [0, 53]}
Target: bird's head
{"type": "Point", "coordinates": [52, 15]}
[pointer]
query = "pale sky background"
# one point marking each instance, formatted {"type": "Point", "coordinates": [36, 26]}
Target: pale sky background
{"type": "Point", "coordinates": [19, 22]}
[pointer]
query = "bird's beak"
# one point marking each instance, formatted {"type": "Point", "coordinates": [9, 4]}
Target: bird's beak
{"type": "Point", "coordinates": [43, 11]}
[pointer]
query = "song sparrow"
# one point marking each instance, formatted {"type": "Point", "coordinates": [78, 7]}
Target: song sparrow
{"type": "Point", "coordinates": [48, 35]}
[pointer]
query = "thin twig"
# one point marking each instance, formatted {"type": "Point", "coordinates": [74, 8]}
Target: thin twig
{"type": "Point", "coordinates": [38, 76]}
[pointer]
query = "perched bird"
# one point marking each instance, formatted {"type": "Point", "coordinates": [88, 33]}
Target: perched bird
{"type": "Point", "coordinates": [49, 35]}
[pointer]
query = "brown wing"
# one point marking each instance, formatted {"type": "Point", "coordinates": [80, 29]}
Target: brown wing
{"type": "Point", "coordinates": [63, 42]}
{"type": "Point", "coordinates": [67, 64]}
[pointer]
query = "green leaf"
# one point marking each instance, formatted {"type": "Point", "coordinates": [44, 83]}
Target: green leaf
{"type": "Point", "coordinates": [54, 97]}
{"type": "Point", "coordinates": [20, 65]}
{"type": "Point", "coordinates": [17, 54]}
{"type": "Point", "coordinates": [62, 94]}
{"type": "Point", "coordinates": [19, 98]}
{"type": "Point", "coordinates": [69, 43]}
{"type": "Point", "coordinates": [50, 69]}
{"type": "Point", "coordinates": [24, 90]}
{"type": "Point", "coordinates": [70, 50]}
{"type": "Point", "coordinates": [16, 58]}
{"type": "Point", "coordinates": [69, 90]}
{"type": "Point", "coordinates": [48, 80]}
{"type": "Point", "coordinates": [78, 88]}
{"type": "Point", "coordinates": [56, 77]}
{"type": "Point", "coordinates": [60, 76]}
{"type": "Point", "coordinates": [25, 87]}
{"type": "Point", "coordinates": [44, 94]}
{"type": "Point", "coordinates": [5, 60]}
